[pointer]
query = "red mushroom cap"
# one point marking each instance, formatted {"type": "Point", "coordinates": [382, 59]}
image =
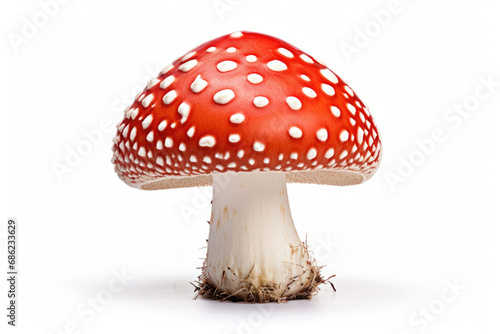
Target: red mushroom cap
{"type": "Point", "coordinates": [246, 102]}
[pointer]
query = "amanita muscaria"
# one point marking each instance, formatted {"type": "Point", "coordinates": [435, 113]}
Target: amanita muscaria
{"type": "Point", "coordinates": [247, 113]}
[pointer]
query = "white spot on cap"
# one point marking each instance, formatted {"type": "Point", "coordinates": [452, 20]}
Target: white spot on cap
{"type": "Point", "coordinates": [150, 137]}
{"type": "Point", "coordinates": [207, 160]}
{"type": "Point", "coordinates": [329, 153]}
{"type": "Point", "coordinates": [159, 161]}
{"type": "Point", "coordinates": [198, 84]}
{"type": "Point", "coordinates": [169, 142]}
{"type": "Point", "coordinates": [306, 58]}
{"type": "Point", "coordinates": [132, 113]}
{"type": "Point", "coordinates": [329, 75]}
{"type": "Point", "coordinates": [188, 55]}
{"type": "Point", "coordinates": [351, 108]}
{"type": "Point", "coordinates": [258, 146]}
{"type": "Point", "coordinates": [159, 145]}
{"type": "Point", "coordinates": [266, 160]}
{"type": "Point", "coordinates": [224, 96]}
{"type": "Point", "coordinates": [162, 125]}
{"type": "Point", "coordinates": [193, 158]}
{"type": "Point", "coordinates": [234, 138]}
{"type": "Point", "coordinates": [343, 154]}
{"type": "Point", "coordinates": [182, 147]}
{"type": "Point", "coordinates": [322, 134]}
{"type": "Point", "coordinates": [236, 34]}
{"type": "Point", "coordinates": [349, 90]}
{"type": "Point", "coordinates": [167, 68]}
{"type": "Point", "coordinates": [362, 117]}
{"type": "Point", "coordinates": [226, 66]}
{"type": "Point", "coordinates": [254, 78]}
{"type": "Point", "coordinates": [207, 141]}
{"type": "Point", "coordinates": [335, 111]}
{"type": "Point", "coordinates": [188, 66]}
{"type": "Point", "coordinates": [167, 81]}
{"type": "Point", "coordinates": [295, 132]}
{"type": "Point", "coordinates": [305, 77]}
{"type": "Point", "coordinates": [237, 118]}
{"type": "Point", "coordinates": [328, 89]}
{"type": "Point", "coordinates": [251, 161]}
{"type": "Point", "coordinates": [147, 121]}
{"type": "Point", "coordinates": [311, 154]}
{"type": "Point", "coordinates": [190, 132]}
{"type": "Point", "coordinates": [294, 156]}
{"type": "Point", "coordinates": [169, 97]}
{"type": "Point", "coordinates": [344, 135]}
{"type": "Point", "coordinates": [276, 65]}
{"type": "Point", "coordinates": [211, 49]}
{"type": "Point", "coordinates": [309, 92]}
{"type": "Point", "coordinates": [125, 131]}
{"type": "Point", "coordinates": [152, 83]}
{"type": "Point", "coordinates": [183, 110]}
{"type": "Point", "coordinates": [260, 101]}
{"type": "Point", "coordinates": [147, 100]}
{"type": "Point", "coordinates": [133, 133]}
{"type": "Point", "coordinates": [240, 153]}
{"type": "Point", "coordinates": [294, 103]}
{"type": "Point", "coordinates": [142, 152]}
{"type": "Point", "coordinates": [285, 52]}
{"type": "Point", "coordinates": [251, 58]}
{"type": "Point", "coordinates": [231, 49]}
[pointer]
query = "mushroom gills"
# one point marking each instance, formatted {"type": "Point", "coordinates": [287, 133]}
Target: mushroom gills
{"type": "Point", "coordinates": [254, 252]}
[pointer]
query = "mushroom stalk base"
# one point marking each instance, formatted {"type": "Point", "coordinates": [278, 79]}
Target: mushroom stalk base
{"type": "Point", "coordinates": [254, 253]}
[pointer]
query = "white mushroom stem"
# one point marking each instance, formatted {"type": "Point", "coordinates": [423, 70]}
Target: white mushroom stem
{"type": "Point", "coordinates": [254, 252]}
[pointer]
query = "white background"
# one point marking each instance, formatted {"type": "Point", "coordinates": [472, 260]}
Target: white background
{"type": "Point", "coordinates": [395, 247]}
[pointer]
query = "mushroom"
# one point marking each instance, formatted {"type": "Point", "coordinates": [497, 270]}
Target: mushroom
{"type": "Point", "coordinates": [247, 113]}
